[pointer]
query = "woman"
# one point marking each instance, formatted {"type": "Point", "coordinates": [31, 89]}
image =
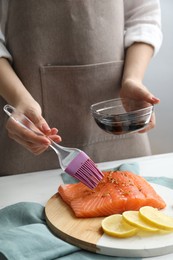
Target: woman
{"type": "Point", "coordinates": [58, 58]}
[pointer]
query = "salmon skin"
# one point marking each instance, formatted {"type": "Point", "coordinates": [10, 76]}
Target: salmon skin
{"type": "Point", "coordinates": [117, 192]}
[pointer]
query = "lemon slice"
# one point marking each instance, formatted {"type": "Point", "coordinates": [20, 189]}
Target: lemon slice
{"type": "Point", "coordinates": [133, 218]}
{"type": "Point", "coordinates": [157, 218]}
{"type": "Point", "coordinates": [114, 225]}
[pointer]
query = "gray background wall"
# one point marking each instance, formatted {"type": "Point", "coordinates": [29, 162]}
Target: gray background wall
{"type": "Point", "coordinates": [159, 79]}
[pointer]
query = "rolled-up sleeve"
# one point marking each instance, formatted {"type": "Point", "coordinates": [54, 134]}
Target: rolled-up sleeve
{"type": "Point", "coordinates": [143, 23]}
{"type": "Point", "coordinates": [4, 53]}
{"type": "Point", "coordinates": [3, 14]}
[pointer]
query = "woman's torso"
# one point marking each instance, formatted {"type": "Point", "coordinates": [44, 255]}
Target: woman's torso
{"type": "Point", "coordinates": [69, 54]}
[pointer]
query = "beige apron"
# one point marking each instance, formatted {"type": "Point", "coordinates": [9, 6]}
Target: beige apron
{"type": "Point", "coordinates": [69, 54]}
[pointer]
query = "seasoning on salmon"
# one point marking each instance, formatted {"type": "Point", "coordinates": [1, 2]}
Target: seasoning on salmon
{"type": "Point", "coordinates": [117, 192]}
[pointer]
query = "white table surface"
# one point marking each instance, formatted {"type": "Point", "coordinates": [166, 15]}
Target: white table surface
{"type": "Point", "coordinates": [40, 186]}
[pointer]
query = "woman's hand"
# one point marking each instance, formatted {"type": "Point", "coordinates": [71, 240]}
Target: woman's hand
{"type": "Point", "coordinates": [32, 142]}
{"type": "Point", "coordinates": [15, 94]}
{"type": "Point", "coordinates": [137, 58]}
{"type": "Point", "coordinates": [134, 89]}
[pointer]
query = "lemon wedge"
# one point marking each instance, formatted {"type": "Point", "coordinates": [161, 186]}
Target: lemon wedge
{"type": "Point", "coordinates": [114, 225]}
{"type": "Point", "coordinates": [157, 218]}
{"type": "Point", "coordinates": [133, 218]}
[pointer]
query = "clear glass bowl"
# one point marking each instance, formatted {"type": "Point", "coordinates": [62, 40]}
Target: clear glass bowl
{"type": "Point", "coordinates": [122, 116]}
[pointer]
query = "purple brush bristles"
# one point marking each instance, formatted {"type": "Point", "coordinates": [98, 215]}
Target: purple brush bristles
{"type": "Point", "coordinates": [85, 170]}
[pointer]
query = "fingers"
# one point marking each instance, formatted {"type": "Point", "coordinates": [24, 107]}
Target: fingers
{"type": "Point", "coordinates": [50, 132]}
{"type": "Point", "coordinates": [28, 139]}
{"type": "Point", "coordinates": [136, 90]}
{"type": "Point", "coordinates": [144, 94]}
{"type": "Point", "coordinates": [53, 134]}
{"type": "Point", "coordinates": [150, 126]}
{"type": "Point", "coordinates": [32, 142]}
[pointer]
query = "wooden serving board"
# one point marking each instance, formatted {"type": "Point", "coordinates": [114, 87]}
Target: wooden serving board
{"type": "Point", "coordinates": [81, 232]}
{"type": "Point", "coordinates": [87, 234]}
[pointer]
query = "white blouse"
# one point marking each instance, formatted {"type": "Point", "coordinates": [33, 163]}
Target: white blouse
{"type": "Point", "coordinates": [142, 24]}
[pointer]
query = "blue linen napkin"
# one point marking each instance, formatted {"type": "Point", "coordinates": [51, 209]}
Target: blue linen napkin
{"type": "Point", "coordinates": [24, 234]}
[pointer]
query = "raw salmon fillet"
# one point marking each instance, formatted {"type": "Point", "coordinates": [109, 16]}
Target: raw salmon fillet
{"type": "Point", "coordinates": [117, 192]}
